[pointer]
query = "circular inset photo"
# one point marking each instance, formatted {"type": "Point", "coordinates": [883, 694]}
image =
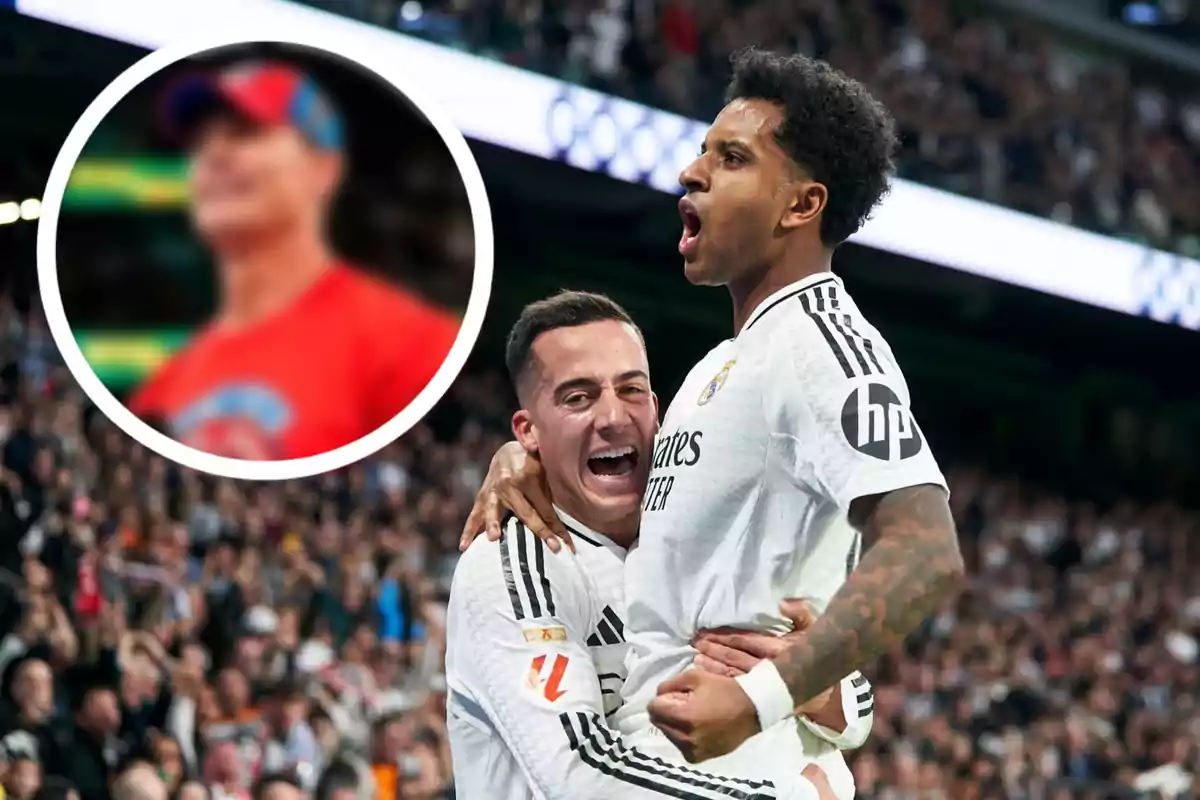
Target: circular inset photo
{"type": "Point", "coordinates": [265, 260]}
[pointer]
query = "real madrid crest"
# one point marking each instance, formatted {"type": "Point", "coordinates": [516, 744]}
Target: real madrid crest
{"type": "Point", "coordinates": [715, 384]}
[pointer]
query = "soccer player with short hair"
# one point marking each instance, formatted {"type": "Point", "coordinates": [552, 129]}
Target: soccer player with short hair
{"type": "Point", "coordinates": [305, 353]}
{"type": "Point", "coordinates": [536, 639]}
{"type": "Point", "coordinates": [790, 448]}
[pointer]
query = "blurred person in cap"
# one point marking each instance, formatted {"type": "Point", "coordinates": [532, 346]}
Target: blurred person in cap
{"type": "Point", "coordinates": [20, 766]}
{"type": "Point", "coordinates": [305, 353]}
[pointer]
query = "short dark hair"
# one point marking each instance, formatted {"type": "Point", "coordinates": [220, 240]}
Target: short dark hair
{"type": "Point", "coordinates": [567, 309]}
{"type": "Point", "coordinates": [339, 775]}
{"type": "Point", "coordinates": [290, 689]}
{"type": "Point", "coordinates": [385, 721]}
{"type": "Point", "coordinates": [266, 781]}
{"type": "Point", "coordinates": [92, 682]}
{"type": "Point", "coordinates": [832, 127]}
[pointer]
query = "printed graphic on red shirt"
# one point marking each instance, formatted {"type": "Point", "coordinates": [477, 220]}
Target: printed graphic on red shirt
{"type": "Point", "coordinates": [236, 421]}
{"type": "Point", "coordinates": [351, 353]}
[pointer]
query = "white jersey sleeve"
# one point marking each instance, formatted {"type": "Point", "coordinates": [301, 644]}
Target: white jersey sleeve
{"type": "Point", "coordinates": [519, 618]}
{"type": "Point", "coordinates": [858, 707]}
{"type": "Point", "coordinates": [839, 406]}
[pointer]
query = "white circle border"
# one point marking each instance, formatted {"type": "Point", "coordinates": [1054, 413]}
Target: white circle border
{"type": "Point", "coordinates": [336, 43]}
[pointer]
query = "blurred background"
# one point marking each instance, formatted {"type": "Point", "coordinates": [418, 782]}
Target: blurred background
{"type": "Point", "coordinates": [1034, 270]}
{"type": "Point", "coordinates": [135, 281]}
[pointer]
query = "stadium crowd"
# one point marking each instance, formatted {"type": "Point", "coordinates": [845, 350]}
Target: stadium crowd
{"type": "Point", "coordinates": [987, 107]}
{"type": "Point", "coordinates": [207, 638]}
{"type": "Point", "coordinates": [176, 635]}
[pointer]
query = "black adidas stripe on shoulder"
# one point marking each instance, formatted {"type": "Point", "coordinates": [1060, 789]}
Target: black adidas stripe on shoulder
{"type": "Point", "coordinates": [789, 296]}
{"type": "Point", "coordinates": [864, 696]}
{"type": "Point", "coordinates": [523, 559]}
{"type": "Point", "coordinates": [854, 351]}
{"type": "Point", "coordinates": [597, 747]}
{"type": "Point", "coordinates": [609, 630]}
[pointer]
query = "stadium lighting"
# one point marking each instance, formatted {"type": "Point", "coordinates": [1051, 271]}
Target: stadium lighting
{"type": "Point", "coordinates": [411, 11]}
{"type": "Point", "coordinates": [28, 210]}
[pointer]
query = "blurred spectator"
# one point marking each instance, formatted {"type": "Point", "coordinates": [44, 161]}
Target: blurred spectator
{"type": "Point", "coordinates": [193, 790]}
{"type": "Point", "coordinates": [22, 768]}
{"type": "Point", "coordinates": [139, 781]}
{"type": "Point", "coordinates": [343, 781]}
{"type": "Point", "coordinates": [278, 786]}
{"type": "Point", "coordinates": [88, 748]}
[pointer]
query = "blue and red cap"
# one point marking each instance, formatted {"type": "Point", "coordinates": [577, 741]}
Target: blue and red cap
{"type": "Point", "coordinates": [265, 93]}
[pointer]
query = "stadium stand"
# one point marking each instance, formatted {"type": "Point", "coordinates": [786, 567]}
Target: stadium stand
{"type": "Point", "coordinates": [988, 107]}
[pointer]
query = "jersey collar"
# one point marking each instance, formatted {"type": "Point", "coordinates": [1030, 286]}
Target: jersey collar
{"type": "Point", "coordinates": [580, 531]}
{"type": "Point", "coordinates": [791, 290]}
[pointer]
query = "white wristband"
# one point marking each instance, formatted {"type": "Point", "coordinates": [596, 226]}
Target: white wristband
{"type": "Point", "coordinates": [770, 695]}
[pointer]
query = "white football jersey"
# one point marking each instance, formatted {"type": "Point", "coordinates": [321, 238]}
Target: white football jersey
{"type": "Point", "coordinates": [534, 663]}
{"type": "Point", "coordinates": [770, 438]}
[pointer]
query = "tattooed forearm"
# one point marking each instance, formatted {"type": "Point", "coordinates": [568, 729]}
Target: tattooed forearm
{"type": "Point", "coordinates": [911, 565]}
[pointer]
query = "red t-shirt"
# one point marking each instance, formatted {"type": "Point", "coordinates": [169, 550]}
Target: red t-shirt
{"type": "Point", "coordinates": [348, 355]}
{"type": "Point", "coordinates": [679, 30]}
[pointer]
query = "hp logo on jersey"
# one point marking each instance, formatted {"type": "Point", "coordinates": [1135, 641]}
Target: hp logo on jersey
{"type": "Point", "coordinates": [877, 424]}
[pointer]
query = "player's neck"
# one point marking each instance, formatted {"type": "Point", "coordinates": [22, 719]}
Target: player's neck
{"type": "Point", "coordinates": [748, 294]}
{"type": "Point", "coordinates": [260, 278]}
{"type": "Point", "coordinates": [622, 532]}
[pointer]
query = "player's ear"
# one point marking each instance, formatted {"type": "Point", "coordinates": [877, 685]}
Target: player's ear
{"type": "Point", "coordinates": [657, 418]}
{"type": "Point", "coordinates": [524, 430]}
{"type": "Point", "coordinates": [331, 170]}
{"type": "Point", "coordinates": [806, 202]}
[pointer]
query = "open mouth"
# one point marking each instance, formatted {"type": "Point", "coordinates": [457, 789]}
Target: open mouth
{"type": "Point", "coordinates": [691, 227]}
{"type": "Point", "coordinates": [614, 462]}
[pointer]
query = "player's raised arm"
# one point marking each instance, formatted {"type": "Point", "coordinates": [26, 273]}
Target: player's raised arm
{"type": "Point", "coordinates": [515, 483]}
{"type": "Point", "coordinates": [519, 668]}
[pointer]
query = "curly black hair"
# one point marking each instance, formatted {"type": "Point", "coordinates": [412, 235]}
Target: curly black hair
{"type": "Point", "coordinates": [832, 127]}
